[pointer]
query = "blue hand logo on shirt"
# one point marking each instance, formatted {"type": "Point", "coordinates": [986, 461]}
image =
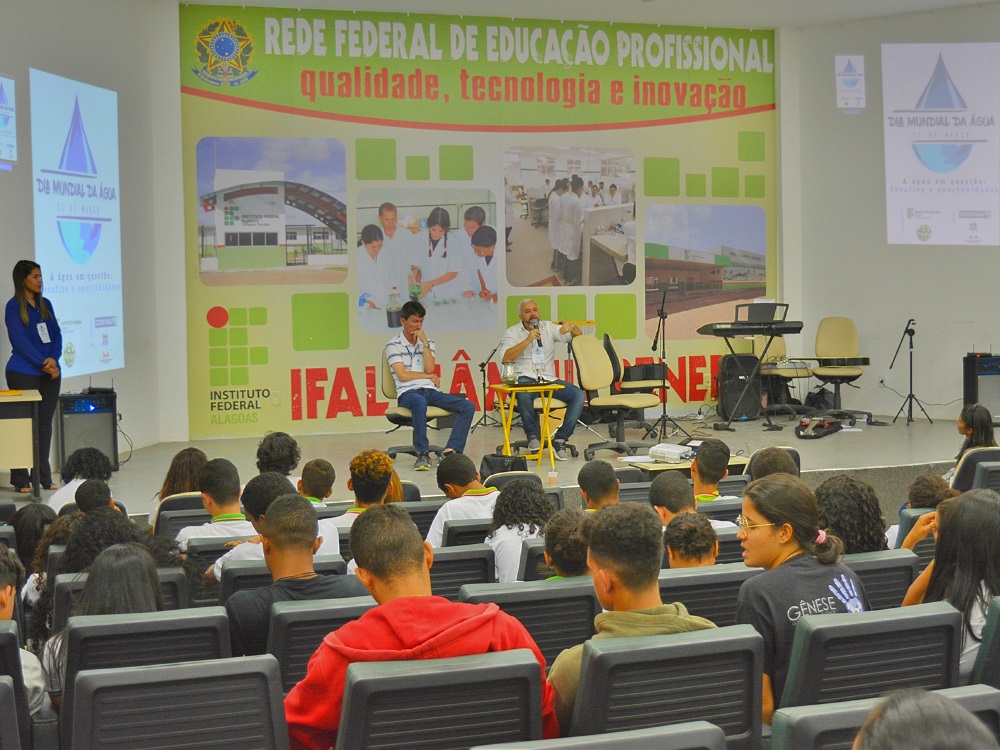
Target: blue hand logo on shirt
{"type": "Point", "coordinates": [844, 589]}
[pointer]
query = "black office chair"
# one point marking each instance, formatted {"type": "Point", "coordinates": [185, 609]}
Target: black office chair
{"type": "Point", "coordinates": [456, 566]}
{"type": "Point", "coordinates": [711, 675]}
{"type": "Point", "coordinates": [886, 575]}
{"type": "Point", "coordinates": [298, 628]}
{"type": "Point", "coordinates": [447, 703]}
{"type": "Point", "coordinates": [691, 735]}
{"type": "Point", "coordinates": [867, 654]}
{"type": "Point", "coordinates": [217, 703]}
{"type": "Point", "coordinates": [462, 531]}
{"type": "Point", "coordinates": [113, 642]}
{"type": "Point", "coordinates": [710, 592]}
{"type": "Point", "coordinates": [558, 616]}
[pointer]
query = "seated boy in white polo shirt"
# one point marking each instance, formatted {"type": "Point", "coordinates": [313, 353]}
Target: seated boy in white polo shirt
{"type": "Point", "coordinates": [220, 494]}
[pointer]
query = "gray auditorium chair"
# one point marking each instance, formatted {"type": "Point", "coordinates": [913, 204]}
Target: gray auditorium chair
{"type": "Point", "coordinates": [40, 732]}
{"type": "Point", "coordinates": [987, 667]}
{"type": "Point", "coordinates": [555, 496]}
{"type": "Point", "coordinates": [730, 550]}
{"type": "Point", "coordinates": [629, 474]}
{"type": "Point", "coordinates": [297, 629]}
{"type": "Point", "coordinates": [456, 566]}
{"type": "Point", "coordinates": [709, 592]}
{"type": "Point", "coordinates": [965, 470]}
{"type": "Point", "coordinates": [446, 703]}
{"type": "Point", "coordinates": [722, 510]}
{"type": "Point", "coordinates": [867, 654]}
{"type": "Point", "coordinates": [532, 566]}
{"type": "Point", "coordinates": [52, 561]}
{"type": "Point", "coordinates": [733, 485]}
{"type": "Point", "coordinates": [139, 640]}
{"type": "Point", "coordinates": [501, 478]}
{"type": "Point", "coordinates": [331, 511]}
{"type": "Point", "coordinates": [344, 538]}
{"type": "Point", "coordinates": [557, 615]}
{"type": "Point", "coordinates": [411, 492]}
{"type": "Point", "coordinates": [634, 492]}
{"type": "Point", "coordinates": [987, 476]}
{"type": "Point", "coordinates": [10, 739]}
{"type": "Point", "coordinates": [886, 575]}
{"type": "Point", "coordinates": [423, 513]}
{"type": "Point", "coordinates": [926, 546]}
{"type": "Point", "coordinates": [836, 725]}
{"type": "Point", "coordinates": [8, 537]}
{"type": "Point", "coordinates": [173, 584]}
{"type": "Point", "coordinates": [204, 551]}
{"type": "Point", "coordinates": [170, 522]}
{"type": "Point", "coordinates": [218, 703]}
{"type": "Point", "coordinates": [461, 531]}
{"type": "Point", "coordinates": [711, 675]}
{"type": "Point", "coordinates": [71, 507]}
{"type": "Point", "coordinates": [691, 735]}
{"type": "Point", "coordinates": [238, 575]}
{"type": "Point", "coordinates": [7, 510]}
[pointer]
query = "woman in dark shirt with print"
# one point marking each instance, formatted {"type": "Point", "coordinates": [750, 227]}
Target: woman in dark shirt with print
{"type": "Point", "coordinates": [36, 342]}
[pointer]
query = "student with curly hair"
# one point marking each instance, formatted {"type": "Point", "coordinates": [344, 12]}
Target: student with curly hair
{"type": "Point", "coordinates": [278, 452]}
{"type": "Point", "coordinates": [849, 509]}
{"type": "Point", "coordinates": [566, 544]}
{"type": "Point", "coordinates": [82, 464]}
{"type": "Point", "coordinates": [371, 479]}
{"type": "Point", "coordinates": [521, 512]}
{"type": "Point", "coordinates": [182, 476]}
{"type": "Point", "coordinates": [779, 531]}
{"type": "Point", "coordinates": [58, 532]}
{"type": "Point", "coordinates": [690, 541]}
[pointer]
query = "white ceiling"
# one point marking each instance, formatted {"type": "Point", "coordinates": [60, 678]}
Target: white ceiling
{"type": "Point", "coordinates": [752, 14]}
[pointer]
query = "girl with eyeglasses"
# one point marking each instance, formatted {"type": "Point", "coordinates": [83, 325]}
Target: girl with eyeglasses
{"type": "Point", "coordinates": [779, 531]}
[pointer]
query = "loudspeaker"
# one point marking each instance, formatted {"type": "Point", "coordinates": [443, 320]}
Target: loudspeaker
{"type": "Point", "coordinates": [981, 382]}
{"type": "Point", "coordinates": [734, 372]}
{"type": "Point", "coordinates": [87, 421]}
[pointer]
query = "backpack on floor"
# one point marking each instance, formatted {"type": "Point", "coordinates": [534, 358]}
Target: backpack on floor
{"type": "Point", "coordinates": [494, 463]}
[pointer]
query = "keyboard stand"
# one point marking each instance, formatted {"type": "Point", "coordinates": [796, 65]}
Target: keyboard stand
{"type": "Point", "coordinates": [755, 373]}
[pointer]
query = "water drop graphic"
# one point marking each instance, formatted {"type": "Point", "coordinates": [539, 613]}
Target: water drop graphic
{"type": "Point", "coordinates": [941, 94]}
{"type": "Point", "coordinates": [79, 238]}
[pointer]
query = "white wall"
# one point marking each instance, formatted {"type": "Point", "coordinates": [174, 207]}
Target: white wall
{"type": "Point", "coordinates": [847, 267]}
{"type": "Point", "coordinates": [132, 48]}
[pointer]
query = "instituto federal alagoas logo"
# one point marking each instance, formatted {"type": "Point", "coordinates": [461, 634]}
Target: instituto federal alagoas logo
{"type": "Point", "coordinates": [224, 50]}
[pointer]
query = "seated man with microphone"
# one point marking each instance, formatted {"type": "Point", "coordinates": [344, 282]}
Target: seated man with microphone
{"type": "Point", "coordinates": [531, 345]}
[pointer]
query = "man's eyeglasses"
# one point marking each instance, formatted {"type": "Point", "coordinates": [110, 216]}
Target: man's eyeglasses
{"type": "Point", "coordinates": [746, 525]}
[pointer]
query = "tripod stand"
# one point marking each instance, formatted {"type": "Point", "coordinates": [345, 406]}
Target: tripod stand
{"type": "Point", "coordinates": [486, 420]}
{"type": "Point", "coordinates": [659, 427]}
{"type": "Point", "coordinates": [910, 398]}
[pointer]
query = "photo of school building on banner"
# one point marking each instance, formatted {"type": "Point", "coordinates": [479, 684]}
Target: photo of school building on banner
{"type": "Point", "coordinates": [339, 164]}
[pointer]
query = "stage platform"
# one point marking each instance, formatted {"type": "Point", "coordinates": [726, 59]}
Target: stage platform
{"type": "Point", "coordinates": [887, 457]}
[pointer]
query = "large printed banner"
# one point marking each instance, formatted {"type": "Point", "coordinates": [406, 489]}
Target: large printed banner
{"type": "Point", "coordinates": [942, 143]}
{"type": "Point", "coordinates": [339, 163]}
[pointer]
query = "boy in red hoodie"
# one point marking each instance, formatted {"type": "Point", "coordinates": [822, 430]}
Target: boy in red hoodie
{"type": "Point", "coordinates": [409, 623]}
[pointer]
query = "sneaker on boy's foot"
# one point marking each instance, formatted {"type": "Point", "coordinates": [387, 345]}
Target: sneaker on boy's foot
{"type": "Point", "coordinates": [423, 462]}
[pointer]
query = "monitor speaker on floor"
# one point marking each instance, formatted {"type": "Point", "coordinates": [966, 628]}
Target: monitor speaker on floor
{"type": "Point", "coordinates": [87, 421]}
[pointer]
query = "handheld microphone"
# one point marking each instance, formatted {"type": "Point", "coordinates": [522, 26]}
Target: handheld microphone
{"type": "Point", "coordinates": [534, 324]}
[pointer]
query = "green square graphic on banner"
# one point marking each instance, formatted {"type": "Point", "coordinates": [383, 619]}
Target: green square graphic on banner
{"type": "Point", "coordinates": [258, 316]}
{"type": "Point", "coordinates": [238, 337]}
{"type": "Point", "coordinates": [662, 176]}
{"type": "Point", "coordinates": [455, 162]}
{"type": "Point", "coordinates": [695, 186]}
{"type": "Point", "coordinates": [218, 337]}
{"type": "Point", "coordinates": [320, 322]}
{"type": "Point", "coordinates": [753, 186]}
{"type": "Point", "coordinates": [573, 307]}
{"type": "Point", "coordinates": [218, 357]}
{"type": "Point", "coordinates": [751, 146]}
{"type": "Point", "coordinates": [239, 376]}
{"type": "Point", "coordinates": [218, 377]}
{"type": "Point", "coordinates": [513, 300]}
{"type": "Point", "coordinates": [239, 356]}
{"type": "Point", "coordinates": [725, 182]}
{"type": "Point", "coordinates": [375, 158]}
{"type": "Point", "coordinates": [418, 167]}
{"type": "Point", "coordinates": [237, 316]}
{"type": "Point", "coordinates": [615, 314]}
{"type": "Point", "coordinates": [258, 355]}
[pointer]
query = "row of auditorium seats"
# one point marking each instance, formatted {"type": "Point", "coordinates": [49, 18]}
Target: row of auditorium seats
{"type": "Point", "coordinates": [626, 683]}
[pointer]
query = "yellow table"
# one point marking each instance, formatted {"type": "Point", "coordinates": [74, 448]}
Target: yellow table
{"type": "Point", "coordinates": [507, 395]}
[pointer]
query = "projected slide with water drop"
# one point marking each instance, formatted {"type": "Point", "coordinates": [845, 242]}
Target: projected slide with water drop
{"type": "Point", "coordinates": [942, 145]}
{"type": "Point", "coordinates": [74, 152]}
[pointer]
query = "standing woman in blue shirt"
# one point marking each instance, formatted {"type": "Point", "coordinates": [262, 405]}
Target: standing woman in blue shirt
{"type": "Point", "coordinates": [36, 342]}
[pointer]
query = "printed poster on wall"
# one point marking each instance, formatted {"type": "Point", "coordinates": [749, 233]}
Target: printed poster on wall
{"type": "Point", "coordinates": [942, 143]}
{"type": "Point", "coordinates": [340, 163]}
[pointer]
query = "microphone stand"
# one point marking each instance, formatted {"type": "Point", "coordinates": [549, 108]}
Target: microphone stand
{"type": "Point", "coordinates": [910, 398]}
{"type": "Point", "coordinates": [659, 428]}
{"type": "Point", "coordinates": [487, 420]}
